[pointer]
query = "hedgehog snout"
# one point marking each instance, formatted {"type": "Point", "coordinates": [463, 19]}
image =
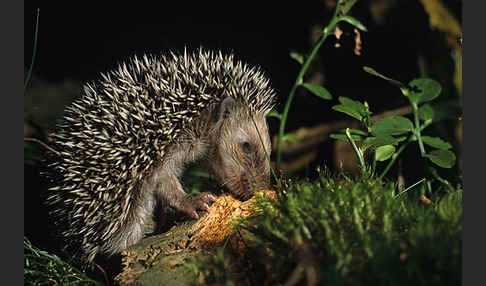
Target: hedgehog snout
{"type": "Point", "coordinates": [249, 184]}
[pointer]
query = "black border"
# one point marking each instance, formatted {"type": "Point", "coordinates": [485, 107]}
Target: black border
{"type": "Point", "coordinates": [12, 210]}
{"type": "Point", "coordinates": [473, 146]}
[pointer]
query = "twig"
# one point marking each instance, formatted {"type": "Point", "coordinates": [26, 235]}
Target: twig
{"type": "Point", "coordinates": [102, 270]}
{"type": "Point", "coordinates": [28, 139]}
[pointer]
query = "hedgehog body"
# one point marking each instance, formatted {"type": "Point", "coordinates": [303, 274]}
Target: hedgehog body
{"type": "Point", "coordinates": [124, 143]}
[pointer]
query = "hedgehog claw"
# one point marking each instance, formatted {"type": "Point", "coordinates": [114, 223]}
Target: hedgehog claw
{"type": "Point", "coordinates": [194, 215]}
{"type": "Point", "coordinates": [200, 202]}
{"type": "Point", "coordinates": [210, 197]}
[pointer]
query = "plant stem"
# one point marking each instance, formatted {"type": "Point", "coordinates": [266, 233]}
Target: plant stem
{"type": "Point", "coordinates": [417, 129]}
{"type": "Point", "coordinates": [373, 162]}
{"type": "Point", "coordinates": [298, 81]}
{"type": "Point", "coordinates": [400, 150]}
{"type": "Point", "coordinates": [406, 190]}
{"type": "Point", "coordinates": [394, 158]}
{"type": "Point", "coordinates": [440, 179]}
{"type": "Point", "coordinates": [357, 150]}
{"type": "Point", "coordinates": [34, 51]}
{"type": "Point", "coordinates": [429, 187]}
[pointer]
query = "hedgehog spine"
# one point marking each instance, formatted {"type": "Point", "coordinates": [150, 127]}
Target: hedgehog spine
{"type": "Point", "coordinates": [124, 144]}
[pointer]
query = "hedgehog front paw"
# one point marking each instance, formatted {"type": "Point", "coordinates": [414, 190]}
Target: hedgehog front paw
{"type": "Point", "coordinates": [199, 202]}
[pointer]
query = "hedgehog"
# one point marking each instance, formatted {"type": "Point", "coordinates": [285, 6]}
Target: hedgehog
{"type": "Point", "coordinates": [123, 145]}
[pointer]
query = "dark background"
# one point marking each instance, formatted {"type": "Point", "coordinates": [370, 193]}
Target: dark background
{"type": "Point", "coordinates": [81, 42]}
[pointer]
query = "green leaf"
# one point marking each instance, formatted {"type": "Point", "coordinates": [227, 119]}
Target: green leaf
{"type": "Point", "coordinates": [426, 112]}
{"type": "Point", "coordinates": [297, 56]}
{"type": "Point", "coordinates": [442, 158]}
{"type": "Point", "coordinates": [353, 131]}
{"type": "Point", "coordinates": [375, 73]}
{"type": "Point", "coordinates": [382, 140]}
{"type": "Point", "coordinates": [345, 138]}
{"type": "Point", "coordinates": [353, 21]}
{"type": "Point", "coordinates": [352, 108]}
{"type": "Point", "coordinates": [436, 142]}
{"type": "Point", "coordinates": [428, 89]}
{"type": "Point", "coordinates": [290, 138]}
{"type": "Point", "coordinates": [347, 5]}
{"type": "Point", "coordinates": [384, 153]}
{"type": "Point", "coordinates": [352, 103]}
{"type": "Point", "coordinates": [392, 126]}
{"type": "Point", "coordinates": [317, 90]}
{"type": "Point", "coordinates": [274, 113]}
{"type": "Point", "coordinates": [348, 110]}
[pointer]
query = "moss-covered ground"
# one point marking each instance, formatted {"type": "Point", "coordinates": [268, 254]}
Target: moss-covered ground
{"type": "Point", "coordinates": [338, 230]}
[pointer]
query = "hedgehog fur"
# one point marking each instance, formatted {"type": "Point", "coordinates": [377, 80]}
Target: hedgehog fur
{"type": "Point", "coordinates": [123, 144]}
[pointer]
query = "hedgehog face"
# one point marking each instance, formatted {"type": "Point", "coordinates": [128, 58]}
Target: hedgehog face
{"type": "Point", "coordinates": [240, 160]}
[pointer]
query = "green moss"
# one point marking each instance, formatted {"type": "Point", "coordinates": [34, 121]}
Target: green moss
{"type": "Point", "coordinates": [354, 231]}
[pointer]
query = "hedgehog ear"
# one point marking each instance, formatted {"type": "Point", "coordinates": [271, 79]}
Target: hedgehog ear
{"type": "Point", "coordinates": [228, 105]}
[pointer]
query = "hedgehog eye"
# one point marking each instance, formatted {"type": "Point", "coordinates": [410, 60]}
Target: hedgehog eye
{"type": "Point", "coordinates": [246, 147]}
